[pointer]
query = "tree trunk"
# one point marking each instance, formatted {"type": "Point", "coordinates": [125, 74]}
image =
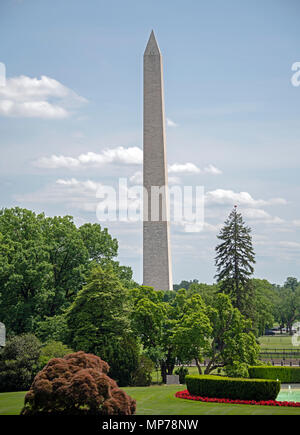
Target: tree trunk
{"type": "Point", "coordinates": [163, 371]}
{"type": "Point", "coordinates": [208, 367]}
{"type": "Point", "coordinates": [198, 366]}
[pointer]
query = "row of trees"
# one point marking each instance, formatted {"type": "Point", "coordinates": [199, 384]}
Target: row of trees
{"type": "Point", "coordinates": [63, 284]}
{"type": "Point", "coordinates": [269, 304]}
{"type": "Point", "coordinates": [44, 262]}
{"type": "Point", "coordinates": [129, 327]}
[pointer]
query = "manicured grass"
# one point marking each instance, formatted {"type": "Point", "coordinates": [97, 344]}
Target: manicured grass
{"type": "Point", "coordinates": [160, 400]}
{"type": "Point", "coordinates": [11, 403]}
{"type": "Point", "coordinates": [156, 376]}
{"type": "Point", "coordinates": [277, 342]}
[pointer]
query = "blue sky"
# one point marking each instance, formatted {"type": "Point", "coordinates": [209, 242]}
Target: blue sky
{"type": "Point", "coordinates": [74, 87]}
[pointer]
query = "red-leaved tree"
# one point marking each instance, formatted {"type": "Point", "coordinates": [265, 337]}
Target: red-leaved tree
{"type": "Point", "coordinates": [76, 385]}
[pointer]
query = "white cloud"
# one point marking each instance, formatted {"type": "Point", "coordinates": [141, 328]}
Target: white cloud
{"type": "Point", "coordinates": [87, 185]}
{"type": "Point", "coordinates": [191, 168]}
{"type": "Point", "coordinates": [55, 162]}
{"type": "Point", "coordinates": [261, 215]}
{"type": "Point", "coordinates": [119, 155]}
{"type": "Point", "coordinates": [229, 197]}
{"type": "Point", "coordinates": [289, 245]}
{"type": "Point", "coordinates": [71, 192]}
{"type": "Point", "coordinates": [174, 180]}
{"type": "Point", "coordinates": [137, 178]}
{"type": "Point", "coordinates": [171, 123]}
{"type": "Point", "coordinates": [37, 98]}
{"type": "Point", "coordinates": [178, 168]}
{"type": "Point", "coordinates": [296, 223]}
{"type": "Point", "coordinates": [211, 169]}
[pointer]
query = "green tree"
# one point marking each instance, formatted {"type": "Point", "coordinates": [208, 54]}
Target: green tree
{"type": "Point", "coordinates": [143, 374]}
{"type": "Point", "coordinates": [206, 291]}
{"type": "Point", "coordinates": [192, 332]}
{"type": "Point", "coordinates": [99, 313]}
{"type": "Point", "coordinates": [19, 362]}
{"type": "Point", "coordinates": [44, 263]}
{"type": "Point", "coordinates": [264, 306]}
{"type": "Point", "coordinates": [153, 322]}
{"type": "Point", "coordinates": [232, 344]}
{"type": "Point", "coordinates": [291, 283]}
{"type": "Point", "coordinates": [184, 284]}
{"type": "Point", "coordinates": [25, 269]}
{"type": "Point", "coordinates": [98, 242]}
{"type": "Point", "coordinates": [123, 356]}
{"type": "Point", "coordinates": [53, 328]}
{"type": "Point", "coordinates": [98, 323]}
{"type": "Point", "coordinates": [234, 261]}
{"type": "Point", "coordinates": [288, 308]}
{"type": "Point", "coordinates": [52, 349]}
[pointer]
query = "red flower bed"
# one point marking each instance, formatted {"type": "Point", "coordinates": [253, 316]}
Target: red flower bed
{"type": "Point", "coordinates": [186, 395]}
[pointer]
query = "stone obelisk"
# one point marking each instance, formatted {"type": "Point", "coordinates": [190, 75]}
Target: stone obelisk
{"type": "Point", "coordinates": [157, 267]}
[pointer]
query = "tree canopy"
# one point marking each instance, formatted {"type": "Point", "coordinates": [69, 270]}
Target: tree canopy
{"type": "Point", "coordinates": [44, 262]}
{"type": "Point", "coordinates": [235, 259]}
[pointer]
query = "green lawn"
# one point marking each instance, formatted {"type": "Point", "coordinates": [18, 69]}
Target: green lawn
{"type": "Point", "coordinates": [156, 376]}
{"type": "Point", "coordinates": [160, 400]}
{"type": "Point", "coordinates": [277, 342]}
{"type": "Point", "coordinates": [11, 403]}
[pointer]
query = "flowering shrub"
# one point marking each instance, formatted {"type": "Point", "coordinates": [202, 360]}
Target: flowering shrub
{"type": "Point", "coordinates": [186, 395]}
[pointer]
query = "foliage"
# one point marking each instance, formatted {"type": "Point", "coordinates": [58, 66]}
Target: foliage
{"type": "Point", "coordinates": [291, 283]}
{"type": "Point", "coordinates": [98, 316]}
{"type": "Point", "coordinates": [237, 370]}
{"type": "Point", "coordinates": [182, 372]}
{"type": "Point", "coordinates": [231, 339]}
{"type": "Point", "coordinates": [53, 328]}
{"type": "Point", "coordinates": [233, 388]}
{"type": "Point", "coordinates": [98, 242]}
{"type": "Point", "coordinates": [187, 329]}
{"type": "Point", "coordinates": [287, 375]}
{"type": "Point", "coordinates": [142, 376]}
{"type": "Point", "coordinates": [206, 291]}
{"type": "Point", "coordinates": [193, 328]}
{"type": "Point", "coordinates": [185, 284]}
{"type": "Point", "coordinates": [152, 322]}
{"type": "Point", "coordinates": [234, 260]}
{"type": "Point", "coordinates": [77, 384]}
{"type": "Point", "coordinates": [19, 362]}
{"type": "Point", "coordinates": [123, 357]}
{"type": "Point", "coordinates": [288, 306]}
{"type": "Point", "coordinates": [52, 349]}
{"type": "Point", "coordinates": [264, 302]}
{"type": "Point", "coordinates": [43, 264]}
{"type": "Point", "coordinates": [98, 322]}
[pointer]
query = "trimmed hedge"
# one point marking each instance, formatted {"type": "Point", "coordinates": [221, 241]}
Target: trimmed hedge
{"type": "Point", "coordinates": [287, 375]}
{"type": "Point", "coordinates": [232, 388]}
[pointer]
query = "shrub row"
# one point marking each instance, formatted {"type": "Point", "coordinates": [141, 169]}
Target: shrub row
{"type": "Point", "coordinates": [232, 388]}
{"type": "Point", "coordinates": [287, 375]}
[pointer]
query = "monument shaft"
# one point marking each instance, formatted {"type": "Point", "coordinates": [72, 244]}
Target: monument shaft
{"type": "Point", "coordinates": [157, 268]}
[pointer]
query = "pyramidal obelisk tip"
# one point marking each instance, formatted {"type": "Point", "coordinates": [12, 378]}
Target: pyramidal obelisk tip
{"type": "Point", "coordinates": [152, 48]}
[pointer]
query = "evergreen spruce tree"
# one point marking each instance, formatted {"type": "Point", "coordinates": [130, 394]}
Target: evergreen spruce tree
{"type": "Point", "coordinates": [234, 262]}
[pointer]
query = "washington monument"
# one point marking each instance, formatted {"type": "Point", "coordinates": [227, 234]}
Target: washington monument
{"type": "Point", "coordinates": [157, 267]}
